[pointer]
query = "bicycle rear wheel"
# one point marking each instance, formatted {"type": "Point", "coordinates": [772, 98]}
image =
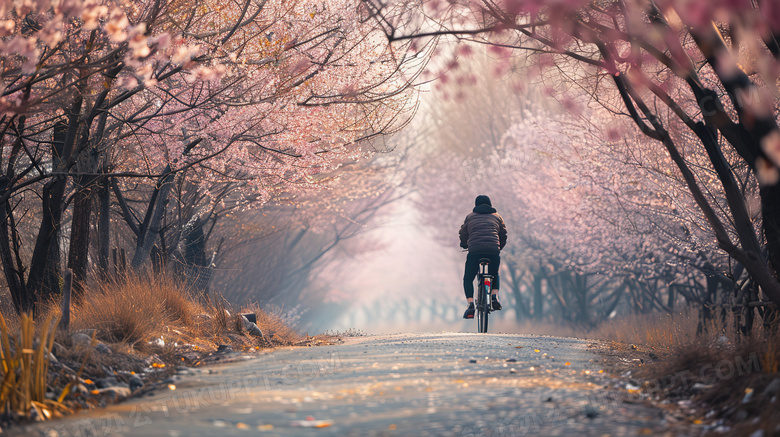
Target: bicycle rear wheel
{"type": "Point", "coordinates": [482, 307]}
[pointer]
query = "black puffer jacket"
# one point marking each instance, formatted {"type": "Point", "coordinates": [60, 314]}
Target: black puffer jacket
{"type": "Point", "coordinates": [483, 230]}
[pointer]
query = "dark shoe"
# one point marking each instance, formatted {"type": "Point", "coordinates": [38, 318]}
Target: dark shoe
{"type": "Point", "coordinates": [469, 314]}
{"type": "Point", "coordinates": [495, 303]}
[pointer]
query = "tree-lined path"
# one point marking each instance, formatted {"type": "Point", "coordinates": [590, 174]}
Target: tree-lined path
{"type": "Point", "coordinates": [440, 384]}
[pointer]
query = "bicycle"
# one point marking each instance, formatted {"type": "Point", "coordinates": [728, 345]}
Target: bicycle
{"type": "Point", "coordinates": [483, 305]}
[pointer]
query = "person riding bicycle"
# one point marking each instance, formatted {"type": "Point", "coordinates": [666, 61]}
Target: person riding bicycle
{"type": "Point", "coordinates": [484, 235]}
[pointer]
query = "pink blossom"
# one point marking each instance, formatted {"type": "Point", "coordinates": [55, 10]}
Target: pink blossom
{"type": "Point", "coordinates": [92, 13]}
{"type": "Point", "coordinates": [7, 27]}
{"type": "Point", "coordinates": [766, 172]}
{"type": "Point", "coordinates": [161, 41]}
{"type": "Point", "coordinates": [138, 44]}
{"type": "Point", "coordinates": [771, 11]}
{"type": "Point", "coordinates": [51, 33]}
{"type": "Point", "coordinates": [770, 145]}
{"type": "Point", "coordinates": [500, 51]}
{"type": "Point", "coordinates": [210, 73]}
{"type": "Point", "coordinates": [465, 50]}
{"type": "Point", "coordinates": [299, 67]}
{"type": "Point", "coordinates": [127, 82]}
{"type": "Point", "coordinates": [184, 53]}
{"type": "Point", "coordinates": [23, 7]}
{"type": "Point", "coordinates": [696, 13]}
{"type": "Point", "coordinates": [117, 25]}
{"type": "Point", "coordinates": [68, 8]}
{"type": "Point", "coordinates": [571, 105]}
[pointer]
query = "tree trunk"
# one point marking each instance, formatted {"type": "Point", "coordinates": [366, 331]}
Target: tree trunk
{"type": "Point", "coordinates": [22, 300]}
{"type": "Point", "coordinates": [65, 304]}
{"type": "Point", "coordinates": [151, 230]}
{"type": "Point", "coordinates": [52, 273]}
{"type": "Point", "coordinates": [104, 227]}
{"type": "Point", "coordinates": [538, 302]}
{"type": "Point", "coordinates": [579, 283]}
{"type": "Point", "coordinates": [79, 234]}
{"type": "Point", "coordinates": [770, 210]}
{"type": "Point", "coordinates": [51, 220]}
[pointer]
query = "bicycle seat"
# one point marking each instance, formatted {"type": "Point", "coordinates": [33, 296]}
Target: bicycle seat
{"type": "Point", "coordinates": [484, 260]}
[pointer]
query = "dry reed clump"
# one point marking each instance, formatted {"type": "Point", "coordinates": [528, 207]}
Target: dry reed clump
{"type": "Point", "coordinates": [24, 369]}
{"type": "Point", "coordinates": [658, 330]}
{"type": "Point", "coordinates": [133, 310]}
{"type": "Point", "coordinates": [727, 381]}
{"type": "Point", "coordinates": [723, 372]}
{"type": "Point", "coordinates": [131, 314]}
{"type": "Point", "coordinates": [220, 316]}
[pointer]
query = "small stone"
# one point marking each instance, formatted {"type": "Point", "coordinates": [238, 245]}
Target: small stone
{"type": "Point", "coordinates": [748, 395]}
{"type": "Point", "coordinates": [473, 361]}
{"type": "Point", "coordinates": [103, 349]}
{"type": "Point", "coordinates": [135, 382]}
{"type": "Point", "coordinates": [115, 394]}
{"type": "Point", "coordinates": [511, 360]}
{"type": "Point", "coordinates": [80, 340]}
{"type": "Point", "coordinates": [79, 389]}
{"type": "Point", "coordinates": [58, 349]}
{"type": "Point", "coordinates": [773, 389]}
{"type": "Point", "coordinates": [590, 412]}
{"type": "Point", "coordinates": [251, 328]}
{"type": "Point", "coordinates": [106, 382]}
{"type": "Point", "coordinates": [512, 370]}
{"type": "Point", "coordinates": [701, 387]}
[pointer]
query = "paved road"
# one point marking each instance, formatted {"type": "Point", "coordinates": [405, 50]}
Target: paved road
{"type": "Point", "coordinates": [443, 384]}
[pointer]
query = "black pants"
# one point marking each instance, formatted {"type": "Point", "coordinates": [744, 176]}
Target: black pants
{"type": "Point", "coordinates": [472, 268]}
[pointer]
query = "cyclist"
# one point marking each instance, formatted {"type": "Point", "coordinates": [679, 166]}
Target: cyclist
{"type": "Point", "coordinates": [484, 235]}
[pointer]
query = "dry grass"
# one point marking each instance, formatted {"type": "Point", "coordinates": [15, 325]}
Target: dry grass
{"type": "Point", "coordinates": [130, 311]}
{"type": "Point", "coordinates": [657, 330]}
{"type": "Point", "coordinates": [24, 360]}
{"type": "Point", "coordinates": [719, 366]}
{"type": "Point", "coordinates": [273, 326]}
{"type": "Point", "coordinates": [220, 316]}
{"type": "Point", "coordinates": [144, 319]}
{"type": "Point", "coordinates": [137, 310]}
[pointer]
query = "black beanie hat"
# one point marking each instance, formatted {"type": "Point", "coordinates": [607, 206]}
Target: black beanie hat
{"type": "Point", "coordinates": [482, 199]}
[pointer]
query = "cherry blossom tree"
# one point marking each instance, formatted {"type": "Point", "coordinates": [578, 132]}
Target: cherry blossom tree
{"type": "Point", "coordinates": [600, 219]}
{"type": "Point", "coordinates": [233, 101]}
{"type": "Point", "coordinates": [689, 70]}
